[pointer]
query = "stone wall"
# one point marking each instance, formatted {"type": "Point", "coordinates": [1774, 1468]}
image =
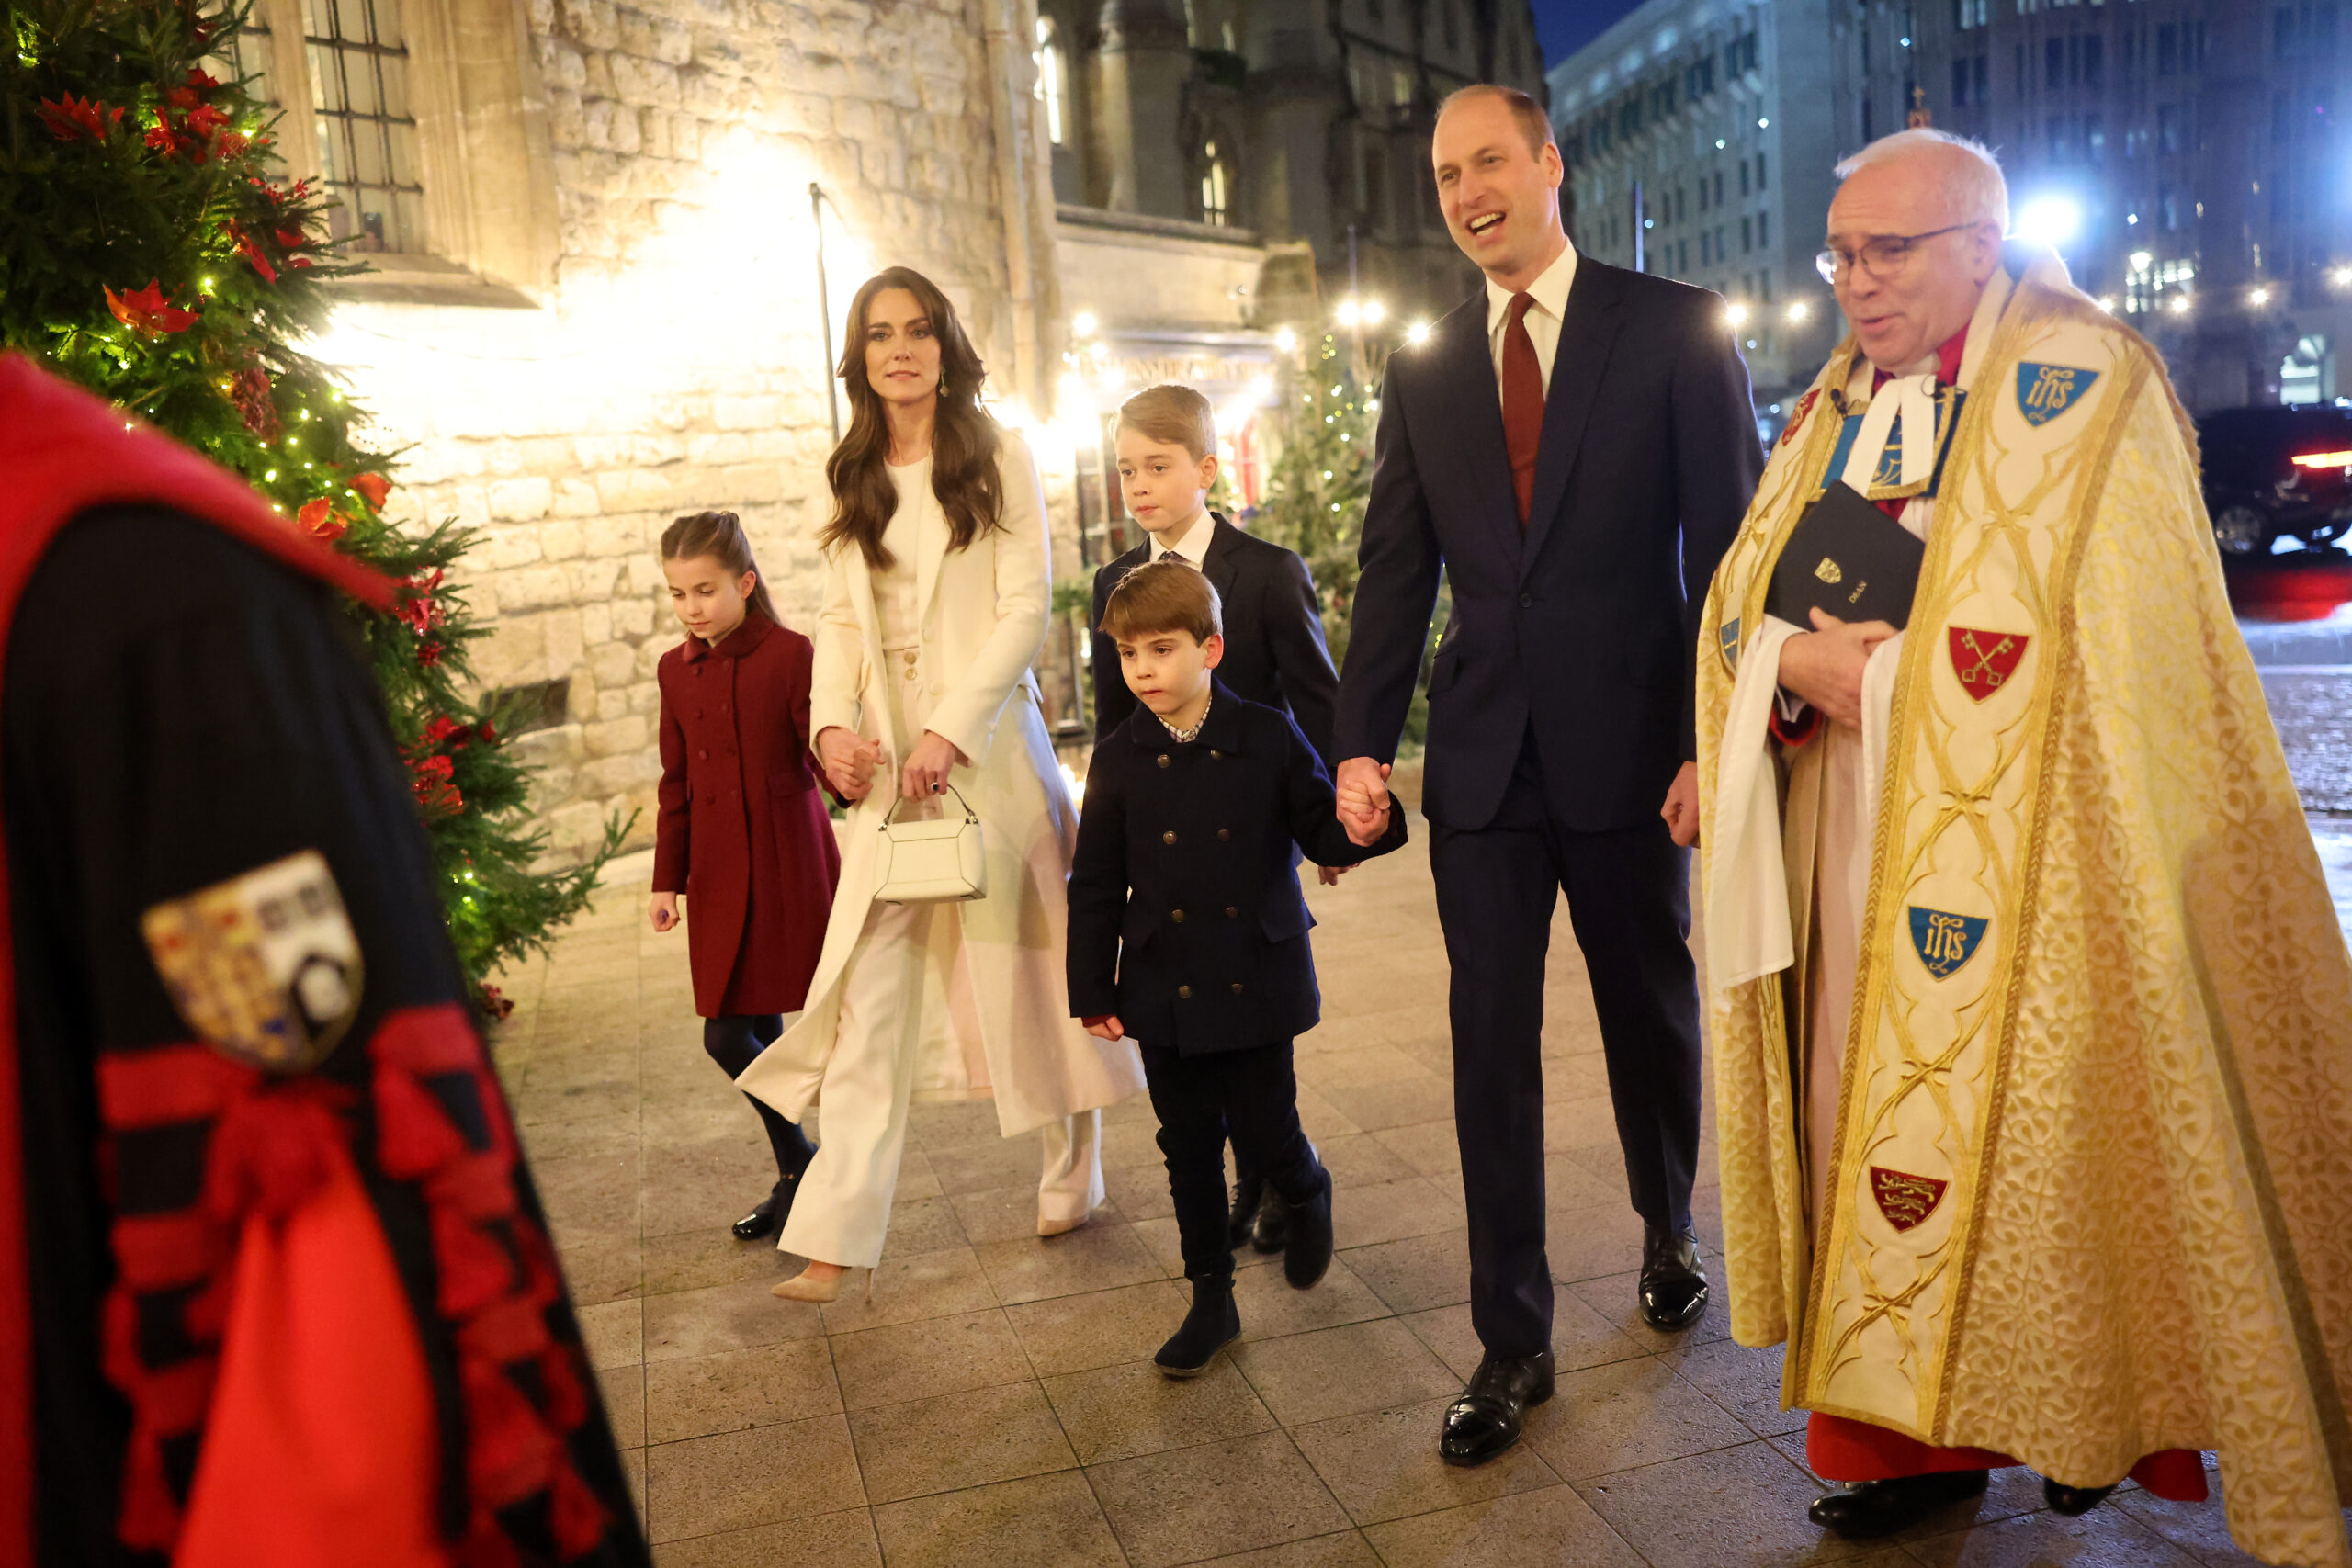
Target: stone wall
{"type": "Point", "coordinates": [677, 364]}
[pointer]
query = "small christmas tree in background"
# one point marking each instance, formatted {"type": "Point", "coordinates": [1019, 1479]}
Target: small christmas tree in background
{"type": "Point", "coordinates": [152, 250]}
{"type": "Point", "coordinates": [1317, 487]}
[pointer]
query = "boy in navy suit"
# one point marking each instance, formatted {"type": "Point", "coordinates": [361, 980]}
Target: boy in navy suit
{"type": "Point", "coordinates": [1187, 928]}
{"type": "Point", "coordinates": [1272, 623]}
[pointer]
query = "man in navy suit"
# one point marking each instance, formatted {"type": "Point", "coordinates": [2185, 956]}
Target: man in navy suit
{"type": "Point", "coordinates": [1573, 446]}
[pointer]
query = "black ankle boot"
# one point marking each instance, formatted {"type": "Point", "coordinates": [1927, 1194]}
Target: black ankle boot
{"type": "Point", "coordinates": [1210, 1327]}
{"type": "Point", "coordinates": [1307, 1252]}
{"type": "Point", "coordinates": [2072, 1501]}
{"type": "Point", "coordinates": [1249, 1190]}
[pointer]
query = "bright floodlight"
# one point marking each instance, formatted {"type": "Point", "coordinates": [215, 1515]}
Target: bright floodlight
{"type": "Point", "coordinates": [2259, 296]}
{"type": "Point", "coordinates": [1419, 332]}
{"type": "Point", "coordinates": [1798, 311]}
{"type": "Point", "coordinates": [2140, 259]}
{"type": "Point", "coordinates": [2342, 276]}
{"type": "Point", "coordinates": [1734, 314]}
{"type": "Point", "coordinates": [1350, 313]}
{"type": "Point", "coordinates": [1084, 323]}
{"type": "Point", "coordinates": [1285, 340]}
{"type": "Point", "coordinates": [2050, 220]}
{"type": "Point", "coordinates": [1373, 311]}
{"type": "Point", "coordinates": [2180, 304]}
{"type": "Point", "coordinates": [2106, 302]}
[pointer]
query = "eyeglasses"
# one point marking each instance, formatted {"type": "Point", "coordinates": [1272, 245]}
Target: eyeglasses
{"type": "Point", "coordinates": [1880, 256]}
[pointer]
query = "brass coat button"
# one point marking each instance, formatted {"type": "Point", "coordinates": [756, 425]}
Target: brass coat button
{"type": "Point", "coordinates": [1169, 837]}
{"type": "Point", "coordinates": [1177, 916]}
{"type": "Point", "coordinates": [1216, 756]}
{"type": "Point", "coordinates": [1223, 834]}
{"type": "Point", "coordinates": [1184, 993]}
{"type": "Point", "coordinates": [1231, 913]}
{"type": "Point", "coordinates": [1163, 759]}
{"type": "Point", "coordinates": [1237, 987]}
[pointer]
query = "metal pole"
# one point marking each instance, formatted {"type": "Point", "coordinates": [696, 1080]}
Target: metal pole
{"type": "Point", "coordinates": [825, 309]}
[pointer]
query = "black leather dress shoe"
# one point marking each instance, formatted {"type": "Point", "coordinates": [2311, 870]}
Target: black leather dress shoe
{"type": "Point", "coordinates": [1870, 1508]}
{"type": "Point", "coordinates": [1492, 1411]}
{"type": "Point", "coordinates": [1674, 1286]}
{"type": "Point", "coordinates": [1270, 1232]}
{"type": "Point", "coordinates": [1249, 1193]}
{"type": "Point", "coordinates": [2072, 1501]}
{"type": "Point", "coordinates": [1210, 1327]}
{"type": "Point", "coordinates": [773, 1209]}
{"type": "Point", "coordinates": [1307, 1253]}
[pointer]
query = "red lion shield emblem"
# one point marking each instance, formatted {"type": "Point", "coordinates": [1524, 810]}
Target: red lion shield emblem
{"type": "Point", "coordinates": [1906, 1201]}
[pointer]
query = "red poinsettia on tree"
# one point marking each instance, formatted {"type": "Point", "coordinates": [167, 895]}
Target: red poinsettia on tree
{"type": "Point", "coordinates": [153, 249]}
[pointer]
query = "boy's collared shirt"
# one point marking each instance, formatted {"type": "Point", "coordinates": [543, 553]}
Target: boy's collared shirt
{"type": "Point", "coordinates": [1193, 550]}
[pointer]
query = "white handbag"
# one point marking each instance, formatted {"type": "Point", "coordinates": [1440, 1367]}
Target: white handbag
{"type": "Point", "coordinates": [931, 862]}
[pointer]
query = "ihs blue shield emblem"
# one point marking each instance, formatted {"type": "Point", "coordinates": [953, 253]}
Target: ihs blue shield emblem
{"type": "Point", "coordinates": [1730, 635]}
{"type": "Point", "coordinates": [2045, 391]}
{"type": "Point", "coordinates": [1945, 942]}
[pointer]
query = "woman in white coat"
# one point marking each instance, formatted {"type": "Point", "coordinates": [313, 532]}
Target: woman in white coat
{"type": "Point", "coordinates": [936, 602]}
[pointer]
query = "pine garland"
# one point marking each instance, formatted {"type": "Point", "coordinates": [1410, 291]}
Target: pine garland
{"type": "Point", "coordinates": [153, 250]}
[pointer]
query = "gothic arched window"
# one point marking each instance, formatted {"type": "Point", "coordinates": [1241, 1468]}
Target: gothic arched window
{"type": "Point", "coordinates": [1052, 80]}
{"type": "Point", "coordinates": [1217, 184]}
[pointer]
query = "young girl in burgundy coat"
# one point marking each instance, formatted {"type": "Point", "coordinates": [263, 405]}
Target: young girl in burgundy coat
{"type": "Point", "coordinates": [743, 831]}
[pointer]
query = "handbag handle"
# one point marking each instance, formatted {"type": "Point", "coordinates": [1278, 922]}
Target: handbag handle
{"type": "Point", "coordinates": [969, 815]}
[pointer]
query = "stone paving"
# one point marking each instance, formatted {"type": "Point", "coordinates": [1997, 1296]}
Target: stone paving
{"type": "Point", "coordinates": [995, 1403]}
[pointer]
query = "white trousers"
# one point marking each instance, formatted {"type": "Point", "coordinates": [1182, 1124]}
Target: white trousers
{"type": "Point", "coordinates": [907, 1021]}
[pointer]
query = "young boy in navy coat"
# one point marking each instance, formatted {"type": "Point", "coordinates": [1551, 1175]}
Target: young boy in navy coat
{"type": "Point", "coordinates": [1187, 928]}
{"type": "Point", "coordinates": [1271, 622]}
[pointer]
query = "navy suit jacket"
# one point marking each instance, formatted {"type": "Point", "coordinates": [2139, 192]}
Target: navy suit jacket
{"type": "Point", "coordinates": [1584, 625]}
{"type": "Point", "coordinates": [1274, 651]}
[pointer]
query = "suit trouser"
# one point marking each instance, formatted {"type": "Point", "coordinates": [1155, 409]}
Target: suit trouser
{"type": "Point", "coordinates": [842, 1211]}
{"type": "Point", "coordinates": [734, 1041]}
{"type": "Point", "coordinates": [1629, 901]}
{"type": "Point", "coordinates": [1250, 1094]}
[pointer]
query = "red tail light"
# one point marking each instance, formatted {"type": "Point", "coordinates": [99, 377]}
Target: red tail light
{"type": "Point", "coordinates": [2325, 459]}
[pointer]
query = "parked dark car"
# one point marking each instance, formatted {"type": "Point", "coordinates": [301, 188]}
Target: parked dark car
{"type": "Point", "coordinates": [2274, 473]}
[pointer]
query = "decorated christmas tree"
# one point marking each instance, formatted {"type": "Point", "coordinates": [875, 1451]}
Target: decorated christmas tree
{"type": "Point", "coordinates": [1318, 487]}
{"type": "Point", "coordinates": [153, 250]}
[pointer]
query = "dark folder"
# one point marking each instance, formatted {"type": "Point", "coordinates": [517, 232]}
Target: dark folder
{"type": "Point", "coordinates": [1846, 558]}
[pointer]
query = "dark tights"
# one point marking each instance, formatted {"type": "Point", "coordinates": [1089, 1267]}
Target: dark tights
{"type": "Point", "coordinates": [734, 1042]}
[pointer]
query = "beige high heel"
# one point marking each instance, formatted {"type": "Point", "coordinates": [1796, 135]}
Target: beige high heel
{"type": "Point", "coordinates": [801, 1288]}
{"type": "Point", "coordinates": [1047, 1227]}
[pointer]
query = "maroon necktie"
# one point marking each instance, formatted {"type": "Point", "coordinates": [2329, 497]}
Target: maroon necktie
{"type": "Point", "coordinates": [1522, 403]}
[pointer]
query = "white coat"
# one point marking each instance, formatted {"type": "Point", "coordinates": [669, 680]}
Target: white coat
{"type": "Point", "coordinates": [984, 611]}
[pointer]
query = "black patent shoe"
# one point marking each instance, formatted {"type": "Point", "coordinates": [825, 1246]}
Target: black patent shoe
{"type": "Point", "coordinates": [1271, 1231]}
{"type": "Point", "coordinates": [2072, 1501]}
{"type": "Point", "coordinates": [1212, 1325]}
{"type": "Point", "coordinates": [1249, 1191]}
{"type": "Point", "coordinates": [1492, 1412]}
{"type": "Point", "coordinates": [1673, 1285]}
{"type": "Point", "coordinates": [1868, 1508]}
{"type": "Point", "coordinates": [1307, 1253]}
{"type": "Point", "coordinates": [773, 1209]}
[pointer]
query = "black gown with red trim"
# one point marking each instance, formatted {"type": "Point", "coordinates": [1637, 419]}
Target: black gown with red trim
{"type": "Point", "coordinates": [178, 707]}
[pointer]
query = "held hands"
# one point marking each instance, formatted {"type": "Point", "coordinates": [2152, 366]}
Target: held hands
{"type": "Point", "coordinates": [1682, 808]}
{"type": "Point", "coordinates": [925, 773]}
{"type": "Point", "coordinates": [1823, 667]}
{"type": "Point", "coordinates": [1363, 801]}
{"type": "Point", "coordinates": [1329, 875]}
{"type": "Point", "coordinates": [665, 911]}
{"type": "Point", "coordinates": [849, 760]}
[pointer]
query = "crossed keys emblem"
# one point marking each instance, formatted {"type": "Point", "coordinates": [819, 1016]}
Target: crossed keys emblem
{"type": "Point", "coordinates": [1985, 661]}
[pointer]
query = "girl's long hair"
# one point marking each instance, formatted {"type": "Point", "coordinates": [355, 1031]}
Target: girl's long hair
{"type": "Point", "coordinates": [721, 535]}
{"type": "Point", "coordinates": [964, 440]}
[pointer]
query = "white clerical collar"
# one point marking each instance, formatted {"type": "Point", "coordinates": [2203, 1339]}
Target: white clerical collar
{"type": "Point", "coordinates": [1193, 547]}
{"type": "Point", "coordinates": [1550, 288]}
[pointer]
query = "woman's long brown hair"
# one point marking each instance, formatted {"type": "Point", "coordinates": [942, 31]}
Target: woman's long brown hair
{"type": "Point", "coordinates": [964, 440]}
{"type": "Point", "coordinates": [721, 535]}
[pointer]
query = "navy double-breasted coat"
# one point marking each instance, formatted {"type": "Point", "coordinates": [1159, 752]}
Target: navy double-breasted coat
{"type": "Point", "coordinates": [1186, 914]}
{"type": "Point", "coordinates": [743, 831]}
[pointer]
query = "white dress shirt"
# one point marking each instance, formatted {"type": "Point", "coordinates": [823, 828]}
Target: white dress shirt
{"type": "Point", "coordinates": [1193, 550]}
{"type": "Point", "coordinates": [1543, 317]}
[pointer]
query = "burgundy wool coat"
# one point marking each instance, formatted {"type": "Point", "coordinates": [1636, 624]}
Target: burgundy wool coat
{"type": "Point", "coordinates": [743, 831]}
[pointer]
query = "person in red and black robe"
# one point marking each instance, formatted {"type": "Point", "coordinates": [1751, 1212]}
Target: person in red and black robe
{"type": "Point", "coordinates": [294, 1311]}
